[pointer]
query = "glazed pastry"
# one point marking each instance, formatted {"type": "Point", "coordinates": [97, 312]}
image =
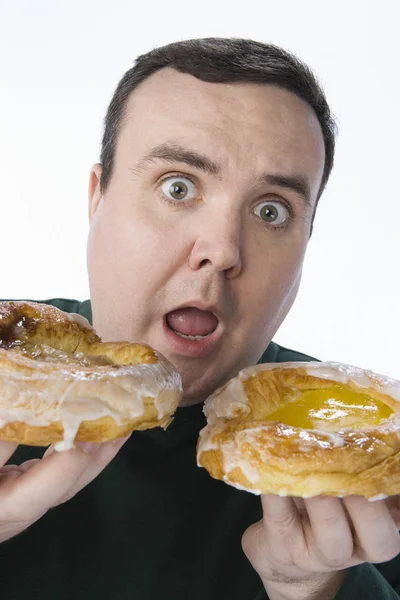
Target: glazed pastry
{"type": "Point", "coordinates": [305, 429]}
{"type": "Point", "coordinates": [60, 383]}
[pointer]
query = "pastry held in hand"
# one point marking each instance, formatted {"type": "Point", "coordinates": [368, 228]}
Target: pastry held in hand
{"type": "Point", "coordinates": [60, 383]}
{"type": "Point", "coordinates": [305, 429]}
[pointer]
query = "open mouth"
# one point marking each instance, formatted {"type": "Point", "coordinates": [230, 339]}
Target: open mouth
{"type": "Point", "coordinates": [191, 323]}
{"type": "Point", "coordinates": [194, 331]}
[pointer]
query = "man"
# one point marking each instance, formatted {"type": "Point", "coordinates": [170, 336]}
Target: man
{"type": "Point", "coordinates": [214, 156]}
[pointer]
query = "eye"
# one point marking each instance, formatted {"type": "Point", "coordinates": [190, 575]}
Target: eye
{"type": "Point", "coordinates": [179, 188]}
{"type": "Point", "coordinates": [272, 212]}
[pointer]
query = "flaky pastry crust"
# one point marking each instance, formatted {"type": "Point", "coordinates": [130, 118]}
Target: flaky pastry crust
{"type": "Point", "coordinates": [59, 383]}
{"type": "Point", "coordinates": [242, 447]}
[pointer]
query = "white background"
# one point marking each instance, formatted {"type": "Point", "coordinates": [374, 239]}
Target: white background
{"type": "Point", "coordinates": [59, 65]}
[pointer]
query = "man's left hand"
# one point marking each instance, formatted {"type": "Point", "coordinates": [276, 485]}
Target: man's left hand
{"type": "Point", "coordinates": [302, 548]}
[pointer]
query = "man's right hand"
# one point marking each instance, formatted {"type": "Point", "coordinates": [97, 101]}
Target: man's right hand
{"type": "Point", "coordinates": [29, 490]}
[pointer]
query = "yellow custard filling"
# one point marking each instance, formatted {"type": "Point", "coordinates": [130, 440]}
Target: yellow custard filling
{"type": "Point", "coordinates": [331, 409]}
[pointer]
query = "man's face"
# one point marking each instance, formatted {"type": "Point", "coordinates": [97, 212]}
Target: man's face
{"type": "Point", "coordinates": [197, 245]}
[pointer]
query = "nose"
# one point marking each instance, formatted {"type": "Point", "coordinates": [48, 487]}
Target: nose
{"type": "Point", "coordinates": [218, 244]}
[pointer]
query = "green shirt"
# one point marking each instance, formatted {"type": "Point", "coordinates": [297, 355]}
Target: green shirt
{"type": "Point", "coordinates": [154, 526]}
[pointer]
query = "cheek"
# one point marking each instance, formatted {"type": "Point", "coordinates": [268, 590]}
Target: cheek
{"type": "Point", "coordinates": [273, 283]}
{"type": "Point", "coordinates": [123, 251]}
{"type": "Point", "coordinates": [124, 244]}
{"type": "Point", "coordinates": [286, 276]}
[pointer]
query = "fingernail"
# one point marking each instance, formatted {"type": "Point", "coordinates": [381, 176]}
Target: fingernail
{"type": "Point", "coordinates": [88, 447]}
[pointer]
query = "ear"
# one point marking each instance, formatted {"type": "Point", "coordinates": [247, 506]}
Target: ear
{"type": "Point", "coordinates": [94, 189]}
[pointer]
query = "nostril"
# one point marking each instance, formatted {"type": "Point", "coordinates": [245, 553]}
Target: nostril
{"type": "Point", "coordinates": [204, 262]}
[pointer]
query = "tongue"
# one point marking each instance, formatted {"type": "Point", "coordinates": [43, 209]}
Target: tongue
{"type": "Point", "coordinates": [192, 321]}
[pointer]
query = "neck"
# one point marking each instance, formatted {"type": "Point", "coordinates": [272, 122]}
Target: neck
{"type": "Point", "coordinates": [187, 401]}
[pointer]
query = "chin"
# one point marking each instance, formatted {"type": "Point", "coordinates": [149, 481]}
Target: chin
{"type": "Point", "coordinates": [196, 390]}
{"type": "Point", "coordinates": [194, 397]}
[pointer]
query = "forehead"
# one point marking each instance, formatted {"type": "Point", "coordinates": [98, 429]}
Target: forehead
{"type": "Point", "coordinates": [262, 125]}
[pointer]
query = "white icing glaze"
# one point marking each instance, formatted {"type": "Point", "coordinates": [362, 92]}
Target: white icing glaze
{"type": "Point", "coordinates": [333, 439]}
{"type": "Point", "coordinates": [242, 488]}
{"type": "Point", "coordinates": [77, 318]}
{"type": "Point", "coordinates": [206, 441]}
{"type": "Point", "coordinates": [41, 384]}
{"type": "Point", "coordinates": [233, 458]}
{"type": "Point", "coordinates": [40, 392]}
{"type": "Point", "coordinates": [377, 497]}
{"type": "Point", "coordinates": [229, 402]}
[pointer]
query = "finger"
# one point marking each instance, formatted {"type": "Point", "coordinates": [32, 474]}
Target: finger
{"type": "Point", "coordinates": [28, 464]}
{"type": "Point", "coordinates": [332, 539]}
{"type": "Point", "coordinates": [8, 476]}
{"type": "Point", "coordinates": [19, 468]}
{"type": "Point", "coordinates": [42, 486]}
{"type": "Point", "coordinates": [9, 468]}
{"type": "Point", "coordinates": [377, 534]}
{"type": "Point", "coordinates": [10, 473]}
{"type": "Point", "coordinates": [283, 528]}
{"type": "Point", "coordinates": [109, 451]}
{"type": "Point", "coordinates": [7, 449]}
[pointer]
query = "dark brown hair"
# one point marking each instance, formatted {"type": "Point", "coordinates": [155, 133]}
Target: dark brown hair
{"type": "Point", "coordinates": [221, 60]}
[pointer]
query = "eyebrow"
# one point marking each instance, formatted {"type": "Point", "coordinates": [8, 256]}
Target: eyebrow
{"type": "Point", "coordinates": [294, 183]}
{"type": "Point", "coordinates": [172, 152]}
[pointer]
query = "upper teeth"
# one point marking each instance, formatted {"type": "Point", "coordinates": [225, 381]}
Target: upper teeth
{"type": "Point", "coordinates": [194, 338]}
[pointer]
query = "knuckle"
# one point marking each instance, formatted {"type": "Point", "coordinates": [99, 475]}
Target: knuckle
{"type": "Point", "coordinates": [283, 522]}
{"type": "Point", "coordinates": [251, 538]}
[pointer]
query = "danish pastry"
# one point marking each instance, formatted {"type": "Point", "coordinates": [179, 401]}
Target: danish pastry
{"type": "Point", "coordinates": [60, 383]}
{"type": "Point", "coordinates": [305, 429]}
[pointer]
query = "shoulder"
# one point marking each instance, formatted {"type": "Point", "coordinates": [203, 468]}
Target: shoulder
{"type": "Point", "coordinates": [277, 353]}
{"type": "Point", "coordinates": [69, 305]}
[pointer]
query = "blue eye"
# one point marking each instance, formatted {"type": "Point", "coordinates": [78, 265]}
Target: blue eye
{"type": "Point", "coordinates": [179, 188]}
{"type": "Point", "coordinates": [272, 212]}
